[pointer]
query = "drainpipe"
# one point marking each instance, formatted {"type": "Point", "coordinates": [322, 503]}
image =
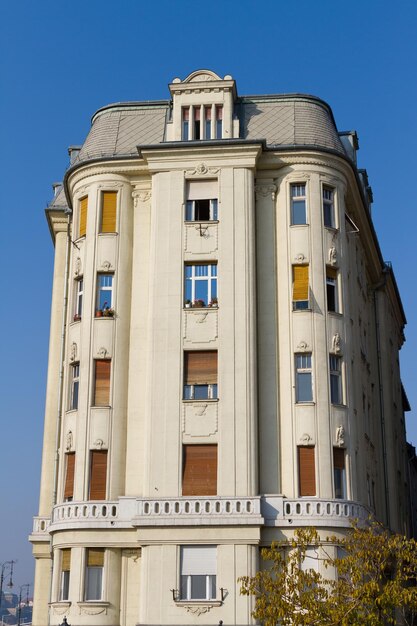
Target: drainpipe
{"type": "Point", "coordinates": [376, 288]}
{"type": "Point", "coordinates": [68, 212]}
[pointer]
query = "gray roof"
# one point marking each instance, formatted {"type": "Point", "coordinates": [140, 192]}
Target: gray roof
{"type": "Point", "coordinates": [283, 121]}
{"type": "Point", "coordinates": [59, 201]}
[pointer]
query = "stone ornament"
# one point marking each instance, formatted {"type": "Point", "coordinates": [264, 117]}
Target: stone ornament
{"type": "Point", "coordinates": [299, 258]}
{"type": "Point", "coordinates": [141, 196]}
{"type": "Point", "coordinates": [302, 346]}
{"type": "Point", "coordinates": [336, 343]}
{"type": "Point", "coordinates": [201, 317]}
{"type": "Point", "coordinates": [68, 441]}
{"type": "Point", "coordinates": [77, 267]}
{"type": "Point", "coordinates": [333, 256]}
{"type": "Point", "coordinates": [106, 265]}
{"type": "Point", "coordinates": [340, 436]}
{"type": "Point", "coordinates": [73, 351]}
{"type": "Point", "coordinates": [98, 444]}
{"type": "Point", "coordinates": [200, 409]}
{"type": "Point", "coordinates": [202, 170]}
{"type": "Point", "coordinates": [197, 610]}
{"type": "Point", "coordinates": [93, 611]}
{"type": "Point", "coordinates": [102, 352]}
{"type": "Point", "coordinates": [265, 191]}
{"type": "Point", "coordinates": [306, 438]}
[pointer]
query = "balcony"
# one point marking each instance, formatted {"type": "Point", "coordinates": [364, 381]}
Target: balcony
{"type": "Point", "coordinates": [270, 510]}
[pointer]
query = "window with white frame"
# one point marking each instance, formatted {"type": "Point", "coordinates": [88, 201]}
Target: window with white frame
{"type": "Point", "coordinates": [328, 207]}
{"type": "Point", "coordinates": [332, 290]}
{"type": "Point", "coordinates": [339, 473]}
{"type": "Point", "coordinates": [198, 572]}
{"type": "Point", "coordinates": [303, 378]}
{"type": "Point", "coordinates": [202, 122]}
{"type": "Point", "coordinates": [74, 386]}
{"type": "Point", "coordinates": [335, 366]}
{"type": "Point", "coordinates": [93, 589]}
{"type": "Point", "coordinates": [202, 203]}
{"type": "Point", "coordinates": [200, 283]}
{"type": "Point", "coordinates": [104, 292]}
{"type": "Point", "coordinates": [65, 574]}
{"type": "Point", "coordinates": [79, 291]}
{"type": "Point", "coordinates": [298, 204]}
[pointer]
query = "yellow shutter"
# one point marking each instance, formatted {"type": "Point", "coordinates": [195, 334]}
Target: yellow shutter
{"type": "Point", "coordinates": [300, 291]}
{"type": "Point", "coordinates": [108, 212]}
{"type": "Point", "coordinates": [83, 215]}
{"type": "Point", "coordinates": [95, 557]}
{"type": "Point", "coordinates": [66, 560]}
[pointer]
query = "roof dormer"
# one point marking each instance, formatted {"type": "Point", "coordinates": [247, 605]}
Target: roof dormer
{"type": "Point", "coordinates": [203, 106]}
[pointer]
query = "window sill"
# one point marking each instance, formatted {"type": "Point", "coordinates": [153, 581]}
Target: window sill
{"type": "Point", "coordinates": [307, 403]}
{"type": "Point", "coordinates": [339, 405]}
{"type": "Point", "coordinates": [308, 310]}
{"type": "Point", "coordinates": [93, 607]}
{"type": "Point", "coordinates": [335, 313]}
{"type": "Point", "coordinates": [63, 605]}
{"type": "Point", "coordinates": [196, 603]}
{"type": "Point", "coordinates": [187, 401]}
{"type": "Point", "coordinates": [201, 222]}
{"type": "Point", "coordinates": [298, 225]}
{"type": "Point", "coordinates": [113, 234]}
{"type": "Point", "coordinates": [332, 229]}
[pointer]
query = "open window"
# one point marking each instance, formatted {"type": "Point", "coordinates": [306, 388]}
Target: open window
{"type": "Point", "coordinates": [202, 203]}
{"type": "Point", "coordinates": [200, 375]}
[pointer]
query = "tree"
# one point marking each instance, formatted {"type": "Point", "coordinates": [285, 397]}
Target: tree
{"type": "Point", "coordinates": [369, 581]}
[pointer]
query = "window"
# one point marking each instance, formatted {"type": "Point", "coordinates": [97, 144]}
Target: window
{"type": "Point", "coordinates": [335, 379]}
{"type": "Point", "coordinates": [300, 293]}
{"type": "Point", "coordinates": [201, 283]}
{"type": "Point", "coordinates": [104, 292]}
{"type": "Point", "coordinates": [69, 476]}
{"type": "Point", "coordinates": [339, 473]}
{"type": "Point", "coordinates": [298, 204]}
{"type": "Point", "coordinates": [219, 121]}
{"type": "Point", "coordinates": [200, 375]}
{"type": "Point", "coordinates": [94, 574]}
{"type": "Point", "coordinates": [65, 574]}
{"type": "Point", "coordinates": [201, 205]}
{"type": "Point", "coordinates": [303, 378]}
{"type": "Point", "coordinates": [198, 572]}
{"type": "Point", "coordinates": [306, 471]}
{"type": "Point", "coordinates": [207, 117]}
{"type": "Point", "coordinates": [108, 212]}
{"type": "Point", "coordinates": [199, 470]}
{"type": "Point", "coordinates": [98, 475]}
{"type": "Point", "coordinates": [79, 291]}
{"type": "Point", "coordinates": [83, 216]}
{"type": "Point", "coordinates": [185, 123]}
{"type": "Point", "coordinates": [328, 207]}
{"type": "Point", "coordinates": [331, 290]}
{"type": "Point", "coordinates": [75, 385]}
{"type": "Point", "coordinates": [101, 395]}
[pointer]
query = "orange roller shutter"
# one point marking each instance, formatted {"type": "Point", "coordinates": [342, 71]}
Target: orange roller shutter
{"type": "Point", "coordinates": [300, 290]}
{"type": "Point", "coordinates": [66, 560]}
{"type": "Point", "coordinates": [200, 367]}
{"type": "Point", "coordinates": [102, 383]}
{"type": "Point", "coordinates": [199, 470]}
{"type": "Point", "coordinates": [83, 215]}
{"type": "Point", "coordinates": [69, 476]}
{"type": "Point", "coordinates": [98, 475]}
{"type": "Point", "coordinates": [307, 471]}
{"type": "Point", "coordinates": [108, 212]}
{"type": "Point", "coordinates": [95, 557]}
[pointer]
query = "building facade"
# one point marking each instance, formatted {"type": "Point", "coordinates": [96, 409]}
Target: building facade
{"type": "Point", "coordinates": [223, 363]}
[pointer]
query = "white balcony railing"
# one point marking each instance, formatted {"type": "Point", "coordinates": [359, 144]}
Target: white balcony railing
{"type": "Point", "coordinates": [267, 510]}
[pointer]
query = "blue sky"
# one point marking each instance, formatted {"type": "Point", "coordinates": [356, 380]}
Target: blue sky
{"type": "Point", "coordinates": [60, 61]}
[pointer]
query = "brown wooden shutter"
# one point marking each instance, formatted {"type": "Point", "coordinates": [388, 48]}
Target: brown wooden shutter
{"type": "Point", "coordinates": [339, 458]}
{"type": "Point", "coordinates": [102, 382]}
{"type": "Point", "coordinates": [98, 475]}
{"type": "Point", "coordinates": [199, 470]}
{"type": "Point", "coordinates": [331, 272]}
{"type": "Point", "coordinates": [108, 212]}
{"type": "Point", "coordinates": [307, 470]}
{"type": "Point", "coordinates": [83, 215]}
{"type": "Point", "coordinates": [200, 367]}
{"type": "Point", "coordinates": [66, 560]}
{"type": "Point", "coordinates": [69, 476]}
{"type": "Point", "coordinates": [300, 275]}
{"type": "Point", "coordinates": [95, 557]}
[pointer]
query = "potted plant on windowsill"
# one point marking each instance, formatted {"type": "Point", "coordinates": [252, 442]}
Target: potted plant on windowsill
{"type": "Point", "coordinates": [99, 313]}
{"type": "Point", "coordinates": [214, 303]}
{"type": "Point", "coordinates": [77, 317]}
{"type": "Point", "coordinates": [187, 304]}
{"type": "Point", "coordinates": [199, 304]}
{"type": "Point", "coordinates": [108, 312]}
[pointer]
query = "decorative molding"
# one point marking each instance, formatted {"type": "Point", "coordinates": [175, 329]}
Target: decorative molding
{"type": "Point", "coordinates": [109, 186]}
{"type": "Point", "coordinates": [300, 258]}
{"type": "Point", "coordinates": [132, 553]}
{"type": "Point", "coordinates": [197, 610]}
{"type": "Point", "coordinates": [202, 170]}
{"type": "Point", "coordinates": [106, 265]}
{"type": "Point", "coordinates": [200, 409]}
{"type": "Point", "coordinates": [59, 608]}
{"type": "Point", "coordinates": [69, 440]}
{"type": "Point", "coordinates": [266, 190]}
{"type": "Point", "coordinates": [201, 317]}
{"type": "Point", "coordinates": [337, 343]}
{"type": "Point", "coordinates": [77, 267]}
{"type": "Point", "coordinates": [98, 444]}
{"type": "Point", "coordinates": [302, 346]}
{"type": "Point", "coordinates": [73, 351]}
{"type": "Point", "coordinates": [93, 608]}
{"type": "Point", "coordinates": [306, 438]}
{"type": "Point", "coordinates": [340, 436]}
{"type": "Point", "coordinates": [333, 256]}
{"type": "Point", "coordinates": [102, 352]}
{"type": "Point", "coordinates": [141, 196]}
